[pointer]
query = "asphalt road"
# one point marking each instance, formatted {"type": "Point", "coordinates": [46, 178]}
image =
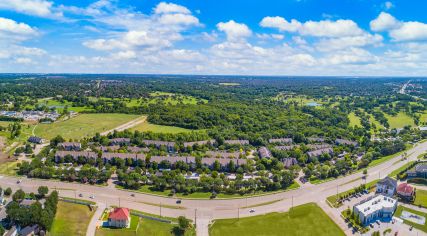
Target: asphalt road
{"type": "Point", "coordinates": [206, 210]}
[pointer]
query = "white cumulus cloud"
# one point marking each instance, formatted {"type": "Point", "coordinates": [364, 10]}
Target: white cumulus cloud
{"type": "Point", "coordinates": [234, 30]}
{"type": "Point", "coordinates": [324, 28]}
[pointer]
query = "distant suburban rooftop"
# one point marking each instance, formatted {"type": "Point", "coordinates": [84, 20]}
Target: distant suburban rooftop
{"type": "Point", "coordinates": [280, 140]}
{"type": "Point", "coordinates": [237, 141]}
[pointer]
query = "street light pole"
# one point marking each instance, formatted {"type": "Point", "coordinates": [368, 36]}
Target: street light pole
{"type": "Point", "coordinates": [195, 216]}
{"type": "Point", "coordinates": [238, 213]}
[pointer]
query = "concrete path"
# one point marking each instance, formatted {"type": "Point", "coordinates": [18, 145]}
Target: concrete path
{"type": "Point", "coordinates": [91, 229]}
{"type": "Point", "coordinates": [127, 125]}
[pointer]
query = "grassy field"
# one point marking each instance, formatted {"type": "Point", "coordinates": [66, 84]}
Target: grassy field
{"type": "Point", "coordinates": [354, 120]}
{"type": "Point", "coordinates": [229, 84]}
{"type": "Point", "coordinates": [8, 168]}
{"type": "Point", "coordinates": [71, 219]}
{"type": "Point", "coordinates": [398, 213]}
{"type": "Point", "coordinates": [400, 120]}
{"type": "Point", "coordinates": [82, 125]}
{"type": "Point", "coordinates": [145, 127]}
{"type": "Point", "coordinates": [308, 219]}
{"type": "Point", "coordinates": [173, 99]}
{"type": "Point", "coordinates": [421, 198]}
{"type": "Point", "coordinates": [59, 106]}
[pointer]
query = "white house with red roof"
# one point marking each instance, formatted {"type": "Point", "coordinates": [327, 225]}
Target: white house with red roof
{"type": "Point", "coordinates": [406, 191]}
{"type": "Point", "coordinates": [119, 218]}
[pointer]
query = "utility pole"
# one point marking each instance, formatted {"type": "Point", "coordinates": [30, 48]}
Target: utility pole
{"type": "Point", "coordinates": [195, 217]}
{"type": "Point", "coordinates": [238, 213]}
{"type": "Point", "coordinates": [292, 202]}
{"type": "Point", "coordinates": [337, 191]}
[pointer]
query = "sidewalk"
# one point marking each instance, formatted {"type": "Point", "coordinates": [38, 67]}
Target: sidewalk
{"type": "Point", "coordinates": [91, 229]}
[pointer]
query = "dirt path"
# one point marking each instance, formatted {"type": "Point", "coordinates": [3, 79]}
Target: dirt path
{"type": "Point", "coordinates": [127, 125]}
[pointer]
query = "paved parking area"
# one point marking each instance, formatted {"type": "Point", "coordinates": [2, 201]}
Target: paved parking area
{"type": "Point", "coordinates": [398, 227]}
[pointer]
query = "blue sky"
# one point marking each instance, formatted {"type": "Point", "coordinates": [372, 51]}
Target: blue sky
{"type": "Point", "coordinates": [269, 37]}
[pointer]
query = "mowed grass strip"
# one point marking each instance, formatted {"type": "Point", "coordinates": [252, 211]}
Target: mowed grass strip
{"type": "Point", "coordinates": [83, 125]}
{"type": "Point", "coordinates": [147, 127]}
{"type": "Point", "coordinates": [308, 219]}
{"type": "Point", "coordinates": [71, 219]}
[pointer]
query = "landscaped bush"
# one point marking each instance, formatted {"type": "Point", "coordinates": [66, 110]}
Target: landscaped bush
{"type": "Point", "coordinates": [418, 181]}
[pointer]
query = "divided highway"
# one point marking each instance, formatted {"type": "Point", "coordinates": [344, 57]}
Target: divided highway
{"type": "Point", "coordinates": [206, 210]}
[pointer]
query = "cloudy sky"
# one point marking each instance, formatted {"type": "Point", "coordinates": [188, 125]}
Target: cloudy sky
{"type": "Point", "coordinates": [268, 37]}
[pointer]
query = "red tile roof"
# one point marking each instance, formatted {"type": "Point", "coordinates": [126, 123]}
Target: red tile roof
{"type": "Point", "coordinates": [119, 214]}
{"type": "Point", "coordinates": [405, 188]}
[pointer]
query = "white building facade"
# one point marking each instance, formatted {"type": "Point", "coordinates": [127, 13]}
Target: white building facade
{"type": "Point", "coordinates": [378, 207]}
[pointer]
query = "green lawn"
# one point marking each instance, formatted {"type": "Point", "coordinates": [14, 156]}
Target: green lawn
{"type": "Point", "coordinates": [146, 127]}
{"type": "Point", "coordinates": [421, 198]}
{"type": "Point", "coordinates": [354, 120]}
{"type": "Point", "coordinates": [70, 219]}
{"type": "Point", "coordinates": [143, 227]}
{"type": "Point", "coordinates": [308, 219]}
{"type": "Point", "coordinates": [398, 213]}
{"type": "Point", "coordinates": [400, 120]}
{"type": "Point", "coordinates": [82, 125]}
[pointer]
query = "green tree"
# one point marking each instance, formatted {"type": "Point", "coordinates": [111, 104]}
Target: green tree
{"type": "Point", "coordinates": [42, 190]}
{"type": "Point", "coordinates": [18, 196]}
{"type": "Point", "coordinates": [8, 191]}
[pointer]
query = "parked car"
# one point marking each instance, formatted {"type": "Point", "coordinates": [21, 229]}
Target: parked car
{"type": "Point", "coordinates": [378, 222]}
{"type": "Point", "coordinates": [410, 228]}
{"type": "Point", "coordinates": [132, 195]}
{"type": "Point", "coordinates": [371, 225]}
{"type": "Point", "coordinates": [19, 181]}
{"type": "Point", "coordinates": [80, 195]}
{"type": "Point", "coordinates": [252, 211]}
{"type": "Point", "coordinates": [92, 197]}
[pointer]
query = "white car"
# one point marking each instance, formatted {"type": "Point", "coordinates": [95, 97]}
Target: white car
{"type": "Point", "coordinates": [92, 197]}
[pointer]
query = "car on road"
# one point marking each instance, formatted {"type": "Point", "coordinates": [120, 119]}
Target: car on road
{"type": "Point", "coordinates": [132, 195]}
{"type": "Point", "coordinates": [92, 197]}
{"type": "Point", "coordinates": [80, 195]}
{"type": "Point", "coordinates": [178, 201]}
{"type": "Point", "coordinates": [252, 211]}
{"type": "Point", "coordinates": [19, 181]}
{"type": "Point", "coordinates": [410, 228]}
